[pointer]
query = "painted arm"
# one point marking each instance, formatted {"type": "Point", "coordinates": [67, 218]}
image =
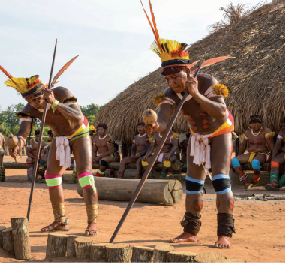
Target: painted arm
{"type": "Point", "coordinates": [277, 146]}
{"type": "Point", "coordinates": [149, 150]}
{"type": "Point", "coordinates": [134, 147]}
{"type": "Point", "coordinates": [172, 150]}
{"type": "Point", "coordinates": [29, 150]}
{"type": "Point", "coordinates": [94, 149]}
{"type": "Point", "coordinates": [269, 139]}
{"type": "Point", "coordinates": [242, 147]}
{"type": "Point", "coordinates": [111, 150]}
{"type": "Point", "coordinates": [148, 144]}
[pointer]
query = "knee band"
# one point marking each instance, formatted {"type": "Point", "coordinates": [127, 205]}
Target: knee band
{"type": "Point", "coordinates": [103, 163]}
{"type": "Point", "coordinates": [194, 186]}
{"type": "Point", "coordinates": [273, 177]}
{"type": "Point", "coordinates": [86, 180]}
{"type": "Point", "coordinates": [274, 164]}
{"type": "Point", "coordinates": [221, 183]}
{"type": "Point", "coordinates": [235, 162]}
{"type": "Point", "coordinates": [42, 162]}
{"type": "Point", "coordinates": [256, 165]}
{"type": "Point", "coordinates": [53, 181]}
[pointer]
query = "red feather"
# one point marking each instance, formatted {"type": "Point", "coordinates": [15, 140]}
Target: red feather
{"type": "Point", "coordinates": [148, 20]}
{"type": "Point", "coordinates": [65, 67]}
{"type": "Point", "coordinates": [7, 74]}
{"type": "Point", "coordinates": [156, 35]}
{"type": "Point", "coordinates": [212, 61]}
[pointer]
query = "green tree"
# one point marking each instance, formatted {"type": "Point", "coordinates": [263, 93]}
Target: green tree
{"type": "Point", "coordinates": [90, 111]}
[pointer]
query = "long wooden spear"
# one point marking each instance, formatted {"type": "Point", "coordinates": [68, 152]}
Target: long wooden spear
{"type": "Point", "coordinates": [41, 135]}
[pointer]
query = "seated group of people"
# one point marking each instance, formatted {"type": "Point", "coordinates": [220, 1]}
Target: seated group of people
{"type": "Point", "coordinates": [259, 141]}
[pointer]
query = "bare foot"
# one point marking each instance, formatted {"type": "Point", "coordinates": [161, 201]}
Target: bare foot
{"type": "Point", "coordinates": [223, 242]}
{"type": "Point", "coordinates": [184, 237]}
{"type": "Point", "coordinates": [272, 186]}
{"type": "Point", "coordinates": [91, 230]}
{"type": "Point", "coordinates": [120, 176]}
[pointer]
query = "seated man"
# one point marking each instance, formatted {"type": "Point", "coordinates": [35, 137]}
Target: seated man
{"type": "Point", "coordinates": [277, 159]}
{"type": "Point", "coordinates": [139, 148]}
{"type": "Point", "coordinates": [31, 149]}
{"type": "Point", "coordinates": [260, 142]}
{"type": "Point", "coordinates": [166, 156]}
{"type": "Point", "coordinates": [183, 148]}
{"type": "Point", "coordinates": [2, 152]}
{"type": "Point", "coordinates": [103, 149]}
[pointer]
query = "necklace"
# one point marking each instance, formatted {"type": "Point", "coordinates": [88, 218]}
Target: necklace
{"type": "Point", "coordinates": [159, 135]}
{"type": "Point", "coordinates": [189, 97]}
{"type": "Point", "coordinates": [142, 135]}
{"type": "Point", "coordinates": [103, 137]}
{"type": "Point", "coordinates": [255, 134]}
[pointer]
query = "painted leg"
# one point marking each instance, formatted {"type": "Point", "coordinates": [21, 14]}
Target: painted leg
{"type": "Point", "coordinates": [273, 178]}
{"type": "Point", "coordinates": [139, 168]}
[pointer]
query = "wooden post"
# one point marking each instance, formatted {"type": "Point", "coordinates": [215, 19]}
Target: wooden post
{"type": "Point", "coordinates": [98, 252]}
{"type": "Point", "coordinates": [142, 254]}
{"type": "Point", "coordinates": [20, 232]}
{"type": "Point", "coordinates": [161, 251]}
{"type": "Point", "coordinates": [181, 256]}
{"type": "Point", "coordinates": [125, 152]}
{"type": "Point", "coordinates": [1, 237]}
{"type": "Point", "coordinates": [210, 257]}
{"type": "Point", "coordinates": [8, 242]}
{"type": "Point", "coordinates": [70, 246]}
{"type": "Point", "coordinates": [82, 247]}
{"type": "Point", "coordinates": [56, 245]}
{"type": "Point", "coordinates": [119, 252]}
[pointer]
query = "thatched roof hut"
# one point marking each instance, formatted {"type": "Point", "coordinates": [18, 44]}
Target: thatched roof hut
{"type": "Point", "coordinates": [255, 79]}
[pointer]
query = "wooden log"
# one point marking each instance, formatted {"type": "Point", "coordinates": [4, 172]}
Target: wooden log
{"type": "Point", "coordinates": [20, 232]}
{"type": "Point", "coordinates": [82, 247]}
{"type": "Point", "coordinates": [181, 256]}
{"type": "Point", "coordinates": [210, 257]}
{"type": "Point", "coordinates": [1, 237]}
{"type": "Point", "coordinates": [56, 245]}
{"type": "Point", "coordinates": [98, 252]}
{"type": "Point", "coordinates": [119, 252]}
{"type": "Point", "coordinates": [142, 254]}
{"type": "Point", "coordinates": [155, 191]}
{"type": "Point", "coordinates": [70, 246]}
{"type": "Point", "coordinates": [8, 242]}
{"type": "Point", "coordinates": [161, 251]}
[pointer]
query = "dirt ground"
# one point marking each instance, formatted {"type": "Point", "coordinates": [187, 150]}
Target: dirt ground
{"type": "Point", "coordinates": [259, 224]}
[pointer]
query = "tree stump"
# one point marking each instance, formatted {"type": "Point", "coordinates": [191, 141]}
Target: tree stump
{"type": "Point", "coordinates": [1, 237]}
{"type": "Point", "coordinates": [56, 245]}
{"type": "Point", "coordinates": [142, 254]}
{"type": "Point", "coordinates": [71, 247]}
{"type": "Point", "coordinates": [20, 232]}
{"type": "Point", "coordinates": [98, 252]}
{"type": "Point", "coordinates": [181, 256]}
{"type": "Point", "coordinates": [161, 251]}
{"type": "Point", "coordinates": [82, 247]}
{"type": "Point", "coordinates": [210, 257]}
{"type": "Point", "coordinates": [119, 252]}
{"type": "Point", "coordinates": [8, 242]}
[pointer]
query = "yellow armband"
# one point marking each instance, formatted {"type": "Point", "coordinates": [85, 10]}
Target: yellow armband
{"type": "Point", "coordinates": [269, 135]}
{"type": "Point", "coordinates": [175, 135]}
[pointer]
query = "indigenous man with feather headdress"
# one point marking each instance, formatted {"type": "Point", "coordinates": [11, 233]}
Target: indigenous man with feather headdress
{"type": "Point", "coordinates": [211, 141]}
{"type": "Point", "coordinates": [71, 130]}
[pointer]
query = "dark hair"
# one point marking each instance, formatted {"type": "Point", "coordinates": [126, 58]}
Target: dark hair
{"type": "Point", "coordinates": [141, 123]}
{"type": "Point", "coordinates": [50, 133]}
{"type": "Point", "coordinates": [172, 70]}
{"type": "Point", "coordinates": [102, 125]}
{"type": "Point", "coordinates": [188, 134]}
{"type": "Point", "coordinates": [37, 132]}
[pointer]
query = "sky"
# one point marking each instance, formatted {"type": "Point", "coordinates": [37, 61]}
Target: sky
{"type": "Point", "coordinates": [111, 37]}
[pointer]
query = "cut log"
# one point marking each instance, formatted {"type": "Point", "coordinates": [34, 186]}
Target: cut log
{"type": "Point", "coordinates": [8, 242]}
{"type": "Point", "coordinates": [119, 252]}
{"type": "Point", "coordinates": [1, 237]}
{"type": "Point", "coordinates": [98, 252]}
{"type": "Point", "coordinates": [181, 256]}
{"type": "Point", "coordinates": [56, 245]}
{"type": "Point", "coordinates": [161, 251]}
{"type": "Point", "coordinates": [20, 232]}
{"type": "Point", "coordinates": [70, 246]}
{"type": "Point", "coordinates": [82, 247]}
{"type": "Point", "coordinates": [155, 191]}
{"type": "Point", "coordinates": [210, 257]}
{"type": "Point", "coordinates": [142, 254]}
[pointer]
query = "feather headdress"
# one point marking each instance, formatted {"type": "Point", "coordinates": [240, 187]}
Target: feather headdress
{"type": "Point", "coordinates": [33, 85]}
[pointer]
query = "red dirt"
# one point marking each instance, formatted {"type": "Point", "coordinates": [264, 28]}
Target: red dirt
{"type": "Point", "coordinates": [259, 225]}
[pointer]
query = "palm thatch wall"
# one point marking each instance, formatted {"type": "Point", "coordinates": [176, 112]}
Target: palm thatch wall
{"type": "Point", "coordinates": [255, 79]}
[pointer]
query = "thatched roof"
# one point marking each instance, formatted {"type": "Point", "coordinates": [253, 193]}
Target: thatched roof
{"type": "Point", "coordinates": [255, 79]}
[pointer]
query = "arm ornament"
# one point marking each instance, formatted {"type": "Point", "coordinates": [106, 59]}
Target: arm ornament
{"type": "Point", "coordinates": [175, 135]}
{"type": "Point", "coordinates": [243, 137]}
{"type": "Point", "coordinates": [220, 89]}
{"type": "Point", "coordinates": [269, 135]}
{"type": "Point", "coordinates": [70, 100]}
{"type": "Point", "coordinates": [111, 141]}
{"type": "Point", "coordinates": [53, 106]}
{"type": "Point", "coordinates": [160, 99]}
{"type": "Point", "coordinates": [150, 139]}
{"type": "Point", "coordinates": [280, 137]}
{"type": "Point", "coordinates": [24, 116]}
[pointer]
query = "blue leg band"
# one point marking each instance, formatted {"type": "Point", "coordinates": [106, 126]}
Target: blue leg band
{"type": "Point", "coordinates": [194, 186]}
{"type": "Point", "coordinates": [221, 183]}
{"type": "Point", "coordinates": [256, 165]}
{"type": "Point", "coordinates": [235, 162]}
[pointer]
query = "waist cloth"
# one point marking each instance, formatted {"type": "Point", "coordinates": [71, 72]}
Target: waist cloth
{"type": "Point", "coordinates": [200, 148]}
{"type": "Point", "coordinates": [63, 153]}
{"type": "Point", "coordinates": [253, 154]}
